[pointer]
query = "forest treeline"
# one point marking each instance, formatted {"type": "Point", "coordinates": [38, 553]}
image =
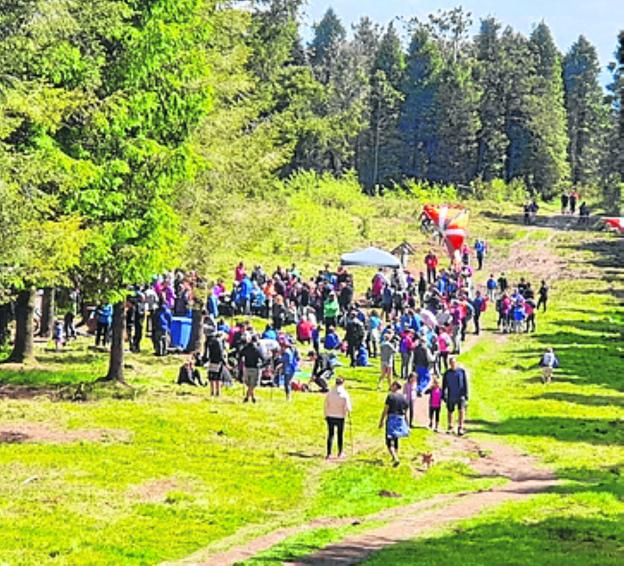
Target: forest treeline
{"type": "Point", "coordinates": [138, 135]}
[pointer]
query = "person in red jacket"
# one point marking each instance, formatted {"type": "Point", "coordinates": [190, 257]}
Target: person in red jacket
{"type": "Point", "coordinates": [431, 261]}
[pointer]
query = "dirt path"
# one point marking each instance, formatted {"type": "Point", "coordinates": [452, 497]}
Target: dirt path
{"type": "Point", "coordinates": [487, 459]}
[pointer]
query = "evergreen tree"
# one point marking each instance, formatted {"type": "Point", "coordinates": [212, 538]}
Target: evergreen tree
{"type": "Point", "coordinates": [587, 114]}
{"type": "Point", "coordinates": [549, 144]}
{"type": "Point", "coordinates": [620, 91]}
{"type": "Point", "coordinates": [418, 124]}
{"type": "Point", "coordinates": [324, 49]}
{"type": "Point", "coordinates": [490, 76]}
{"type": "Point", "coordinates": [457, 99]}
{"type": "Point", "coordinates": [518, 73]}
{"type": "Point", "coordinates": [386, 98]}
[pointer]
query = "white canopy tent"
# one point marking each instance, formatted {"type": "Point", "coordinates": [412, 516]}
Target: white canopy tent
{"type": "Point", "coordinates": [370, 257]}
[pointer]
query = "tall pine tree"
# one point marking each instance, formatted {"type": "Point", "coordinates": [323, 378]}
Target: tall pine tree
{"type": "Point", "coordinates": [418, 125]}
{"type": "Point", "coordinates": [490, 75]}
{"type": "Point", "coordinates": [588, 115]}
{"type": "Point", "coordinates": [549, 137]}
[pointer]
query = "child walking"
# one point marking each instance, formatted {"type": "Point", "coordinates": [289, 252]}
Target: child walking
{"type": "Point", "coordinates": [435, 402]}
{"type": "Point", "coordinates": [58, 336]}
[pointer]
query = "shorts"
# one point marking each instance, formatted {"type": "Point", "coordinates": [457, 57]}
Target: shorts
{"type": "Point", "coordinates": [214, 372]}
{"type": "Point", "coordinates": [451, 404]}
{"type": "Point", "coordinates": [387, 365]}
{"type": "Point", "coordinates": [251, 377]}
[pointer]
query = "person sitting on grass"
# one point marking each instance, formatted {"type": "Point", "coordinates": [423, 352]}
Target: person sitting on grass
{"type": "Point", "coordinates": [337, 407]}
{"type": "Point", "coordinates": [332, 341]}
{"type": "Point", "coordinates": [189, 374]}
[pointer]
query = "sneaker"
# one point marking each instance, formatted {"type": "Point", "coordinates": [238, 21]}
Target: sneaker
{"type": "Point", "coordinates": [253, 400]}
{"type": "Point", "coordinates": [341, 456]}
{"type": "Point", "coordinates": [395, 464]}
{"type": "Point", "coordinates": [461, 432]}
{"type": "Point", "coordinates": [449, 431]}
{"type": "Point", "coordinates": [436, 429]}
{"type": "Point", "coordinates": [246, 400]}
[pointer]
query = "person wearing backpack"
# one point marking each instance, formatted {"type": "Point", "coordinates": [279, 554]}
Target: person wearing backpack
{"type": "Point", "coordinates": [455, 395]}
{"type": "Point", "coordinates": [548, 364]}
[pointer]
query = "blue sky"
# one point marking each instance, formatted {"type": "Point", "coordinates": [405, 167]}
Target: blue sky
{"type": "Point", "coordinates": [599, 20]}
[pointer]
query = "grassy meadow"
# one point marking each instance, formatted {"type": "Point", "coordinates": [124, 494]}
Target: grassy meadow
{"type": "Point", "coordinates": [102, 474]}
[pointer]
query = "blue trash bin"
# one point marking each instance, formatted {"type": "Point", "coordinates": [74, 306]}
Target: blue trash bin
{"type": "Point", "coordinates": [181, 331]}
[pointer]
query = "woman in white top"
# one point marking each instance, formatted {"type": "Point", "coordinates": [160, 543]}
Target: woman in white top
{"type": "Point", "coordinates": [337, 407]}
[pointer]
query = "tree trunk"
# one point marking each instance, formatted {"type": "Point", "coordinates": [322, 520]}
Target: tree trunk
{"type": "Point", "coordinates": [23, 348]}
{"type": "Point", "coordinates": [5, 319]}
{"type": "Point", "coordinates": [47, 312]}
{"type": "Point", "coordinates": [116, 363]}
{"type": "Point", "coordinates": [195, 342]}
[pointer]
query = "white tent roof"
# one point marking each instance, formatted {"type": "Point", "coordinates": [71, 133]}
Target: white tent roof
{"type": "Point", "coordinates": [370, 257]}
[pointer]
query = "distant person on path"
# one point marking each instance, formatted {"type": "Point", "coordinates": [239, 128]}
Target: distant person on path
{"type": "Point", "coordinates": [337, 408]}
{"type": "Point", "coordinates": [574, 197]}
{"type": "Point", "coordinates": [584, 213]}
{"type": "Point", "coordinates": [548, 364]}
{"type": "Point", "coordinates": [455, 395]}
{"type": "Point", "coordinates": [480, 248]}
{"type": "Point", "coordinates": [431, 261]}
{"type": "Point", "coordinates": [479, 304]}
{"type": "Point", "coordinates": [543, 296]}
{"type": "Point", "coordinates": [388, 352]}
{"type": "Point", "coordinates": [491, 288]}
{"type": "Point", "coordinates": [393, 416]}
{"type": "Point", "coordinates": [565, 199]}
{"type": "Point", "coordinates": [59, 338]}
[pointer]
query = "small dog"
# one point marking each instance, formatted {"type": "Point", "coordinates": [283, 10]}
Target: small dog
{"type": "Point", "coordinates": [427, 460]}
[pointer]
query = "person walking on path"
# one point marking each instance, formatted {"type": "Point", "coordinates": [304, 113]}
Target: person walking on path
{"type": "Point", "coordinates": [431, 261]}
{"type": "Point", "coordinates": [565, 199]}
{"type": "Point", "coordinates": [491, 288]}
{"type": "Point", "coordinates": [251, 356]}
{"type": "Point", "coordinates": [548, 364]}
{"type": "Point", "coordinates": [337, 408]}
{"type": "Point", "coordinates": [480, 248]}
{"type": "Point", "coordinates": [435, 403]}
{"type": "Point", "coordinates": [388, 352]}
{"type": "Point", "coordinates": [455, 395]}
{"type": "Point", "coordinates": [543, 296]}
{"type": "Point", "coordinates": [393, 417]}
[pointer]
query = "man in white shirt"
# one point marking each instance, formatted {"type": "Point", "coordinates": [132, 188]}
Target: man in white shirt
{"type": "Point", "coordinates": [337, 407]}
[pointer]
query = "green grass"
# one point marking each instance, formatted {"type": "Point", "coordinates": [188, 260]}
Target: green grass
{"type": "Point", "coordinates": [176, 471]}
{"type": "Point", "coordinates": [575, 425]}
{"type": "Point", "coordinates": [190, 471]}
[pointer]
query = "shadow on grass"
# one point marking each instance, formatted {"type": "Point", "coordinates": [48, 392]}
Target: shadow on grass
{"type": "Point", "coordinates": [554, 540]}
{"type": "Point", "coordinates": [583, 400]}
{"type": "Point", "coordinates": [592, 431]}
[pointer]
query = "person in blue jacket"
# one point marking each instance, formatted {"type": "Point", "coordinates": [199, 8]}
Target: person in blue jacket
{"type": "Point", "coordinates": [332, 341]}
{"type": "Point", "coordinates": [161, 328]}
{"type": "Point", "coordinates": [289, 367]}
{"type": "Point", "coordinates": [244, 295]}
{"type": "Point", "coordinates": [103, 319]}
{"type": "Point", "coordinates": [213, 305]}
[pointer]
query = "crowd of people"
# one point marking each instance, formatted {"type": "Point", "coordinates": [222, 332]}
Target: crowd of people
{"type": "Point", "coordinates": [416, 324]}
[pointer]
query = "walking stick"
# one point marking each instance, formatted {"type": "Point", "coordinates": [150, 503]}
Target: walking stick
{"type": "Point", "coordinates": [351, 434]}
